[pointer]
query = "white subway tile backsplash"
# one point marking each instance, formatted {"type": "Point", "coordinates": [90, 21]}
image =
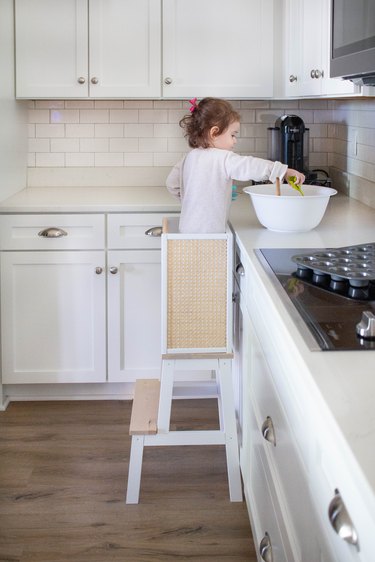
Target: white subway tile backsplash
{"type": "Point", "coordinates": [93, 145]}
{"type": "Point", "coordinates": [50, 130]}
{"type": "Point", "coordinates": [108, 131]}
{"type": "Point", "coordinates": [78, 159]}
{"type": "Point", "coordinates": [138, 130]}
{"type": "Point", "coordinates": [64, 145]}
{"type": "Point", "coordinates": [94, 116]}
{"type": "Point", "coordinates": [109, 159]}
{"type": "Point", "coordinates": [102, 142]}
{"type": "Point", "coordinates": [39, 116]}
{"type": "Point", "coordinates": [153, 116]}
{"type": "Point", "coordinates": [172, 130]}
{"type": "Point", "coordinates": [138, 159]}
{"type": "Point", "coordinates": [39, 145]}
{"type": "Point", "coordinates": [123, 145]}
{"type": "Point", "coordinates": [50, 159]}
{"type": "Point", "coordinates": [80, 130]}
{"type": "Point", "coordinates": [123, 115]}
{"type": "Point", "coordinates": [153, 145]}
{"type": "Point", "coordinates": [64, 116]}
{"type": "Point", "coordinates": [167, 158]}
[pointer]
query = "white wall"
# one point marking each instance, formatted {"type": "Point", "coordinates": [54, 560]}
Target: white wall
{"type": "Point", "coordinates": [13, 115]}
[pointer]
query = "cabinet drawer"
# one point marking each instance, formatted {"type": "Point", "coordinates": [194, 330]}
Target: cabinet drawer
{"type": "Point", "coordinates": [267, 522]}
{"type": "Point", "coordinates": [127, 231]}
{"type": "Point", "coordinates": [61, 232]}
{"type": "Point", "coordinates": [284, 458]}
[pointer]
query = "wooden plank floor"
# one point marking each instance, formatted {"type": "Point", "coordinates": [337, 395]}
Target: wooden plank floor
{"type": "Point", "coordinates": [63, 475]}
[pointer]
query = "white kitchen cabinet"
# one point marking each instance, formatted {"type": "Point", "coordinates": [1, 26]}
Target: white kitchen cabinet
{"type": "Point", "coordinates": [217, 48]}
{"type": "Point", "coordinates": [307, 51]}
{"type": "Point", "coordinates": [87, 48]}
{"type": "Point", "coordinates": [53, 299]}
{"type": "Point", "coordinates": [134, 315]}
{"type": "Point", "coordinates": [70, 300]}
{"type": "Point", "coordinates": [289, 451]}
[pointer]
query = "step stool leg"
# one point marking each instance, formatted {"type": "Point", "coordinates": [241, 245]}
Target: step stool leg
{"type": "Point", "coordinates": [166, 392]}
{"type": "Point", "coordinates": [230, 428]}
{"type": "Point", "coordinates": [135, 469]}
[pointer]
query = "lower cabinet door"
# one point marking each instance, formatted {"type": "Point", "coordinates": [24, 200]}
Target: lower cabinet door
{"type": "Point", "coordinates": [134, 315]}
{"type": "Point", "coordinates": [53, 317]}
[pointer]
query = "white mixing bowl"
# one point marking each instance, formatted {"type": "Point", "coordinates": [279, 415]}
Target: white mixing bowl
{"type": "Point", "coordinates": [290, 211]}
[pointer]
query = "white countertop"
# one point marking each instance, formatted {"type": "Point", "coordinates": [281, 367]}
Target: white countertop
{"type": "Point", "coordinates": [91, 200]}
{"type": "Point", "coordinates": [343, 382]}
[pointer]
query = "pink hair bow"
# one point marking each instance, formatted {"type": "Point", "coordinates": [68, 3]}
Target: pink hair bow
{"type": "Point", "coordinates": [194, 105]}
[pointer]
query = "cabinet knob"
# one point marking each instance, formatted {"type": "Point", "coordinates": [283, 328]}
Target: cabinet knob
{"type": "Point", "coordinates": [292, 78]}
{"type": "Point", "coordinates": [265, 549]}
{"type": "Point", "coordinates": [312, 73]}
{"type": "Point", "coordinates": [268, 431]}
{"type": "Point", "coordinates": [366, 327]}
{"type": "Point", "coordinates": [168, 81]}
{"type": "Point", "coordinates": [154, 231]}
{"type": "Point", "coordinates": [340, 520]}
{"type": "Point", "coordinates": [98, 270]}
{"type": "Point", "coordinates": [319, 73]}
{"type": "Point", "coordinates": [113, 270]}
{"type": "Point", "coordinates": [52, 232]}
{"type": "Point", "coordinates": [94, 80]}
{"type": "Point", "coordinates": [81, 80]}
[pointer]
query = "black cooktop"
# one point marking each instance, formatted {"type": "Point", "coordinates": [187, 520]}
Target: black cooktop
{"type": "Point", "coordinates": [329, 306]}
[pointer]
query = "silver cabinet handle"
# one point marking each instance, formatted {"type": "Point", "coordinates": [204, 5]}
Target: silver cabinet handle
{"type": "Point", "coordinates": [81, 80]}
{"type": "Point", "coordinates": [319, 73]}
{"type": "Point", "coordinates": [268, 431]}
{"type": "Point", "coordinates": [52, 232]}
{"type": "Point", "coordinates": [168, 81]}
{"type": "Point", "coordinates": [113, 270]}
{"type": "Point", "coordinates": [94, 80]}
{"type": "Point", "coordinates": [240, 270]}
{"type": "Point", "coordinates": [312, 73]}
{"type": "Point", "coordinates": [340, 520]}
{"type": "Point", "coordinates": [292, 78]}
{"type": "Point", "coordinates": [98, 270]}
{"type": "Point", "coordinates": [154, 231]}
{"type": "Point", "coordinates": [265, 549]}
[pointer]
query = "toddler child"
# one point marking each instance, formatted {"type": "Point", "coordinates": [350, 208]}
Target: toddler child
{"type": "Point", "coordinates": [202, 180]}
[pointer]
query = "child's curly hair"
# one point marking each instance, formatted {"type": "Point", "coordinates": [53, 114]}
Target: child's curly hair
{"type": "Point", "coordinates": [208, 113]}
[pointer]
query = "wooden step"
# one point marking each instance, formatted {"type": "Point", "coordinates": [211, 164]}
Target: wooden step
{"type": "Point", "coordinates": [144, 414]}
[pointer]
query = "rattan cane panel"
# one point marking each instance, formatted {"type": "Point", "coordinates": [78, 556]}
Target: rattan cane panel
{"type": "Point", "coordinates": [197, 294]}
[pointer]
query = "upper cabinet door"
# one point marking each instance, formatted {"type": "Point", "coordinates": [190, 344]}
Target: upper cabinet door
{"type": "Point", "coordinates": [307, 51]}
{"type": "Point", "coordinates": [125, 50]}
{"type": "Point", "coordinates": [88, 48]}
{"type": "Point", "coordinates": [218, 48]}
{"type": "Point", "coordinates": [51, 48]}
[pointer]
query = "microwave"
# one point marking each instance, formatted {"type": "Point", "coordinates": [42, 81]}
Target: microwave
{"type": "Point", "coordinates": [353, 41]}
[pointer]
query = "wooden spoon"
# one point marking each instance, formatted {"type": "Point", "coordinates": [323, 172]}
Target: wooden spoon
{"type": "Point", "coordinates": [278, 186]}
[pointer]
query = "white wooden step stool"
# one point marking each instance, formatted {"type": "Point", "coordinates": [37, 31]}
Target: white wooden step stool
{"type": "Point", "coordinates": [196, 334]}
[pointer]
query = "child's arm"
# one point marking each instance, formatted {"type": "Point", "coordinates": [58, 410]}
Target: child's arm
{"type": "Point", "coordinates": [174, 180]}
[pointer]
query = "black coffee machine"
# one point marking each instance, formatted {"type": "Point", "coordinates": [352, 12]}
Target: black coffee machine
{"type": "Point", "coordinates": [288, 142]}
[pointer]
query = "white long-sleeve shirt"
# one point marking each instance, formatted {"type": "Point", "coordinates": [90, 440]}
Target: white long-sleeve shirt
{"type": "Point", "coordinates": [203, 181]}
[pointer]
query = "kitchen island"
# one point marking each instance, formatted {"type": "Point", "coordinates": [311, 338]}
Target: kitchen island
{"type": "Point", "coordinates": [324, 399]}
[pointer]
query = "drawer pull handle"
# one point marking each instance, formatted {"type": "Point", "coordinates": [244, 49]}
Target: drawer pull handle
{"type": "Point", "coordinates": [340, 520]}
{"type": "Point", "coordinates": [113, 270]}
{"type": "Point", "coordinates": [265, 548]}
{"type": "Point", "coordinates": [154, 231]}
{"type": "Point", "coordinates": [98, 270]}
{"type": "Point", "coordinates": [268, 431]}
{"type": "Point", "coordinates": [52, 232]}
{"type": "Point", "coordinates": [240, 270]}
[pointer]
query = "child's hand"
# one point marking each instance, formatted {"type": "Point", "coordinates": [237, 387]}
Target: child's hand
{"type": "Point", "coordinates": [290, 173]}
